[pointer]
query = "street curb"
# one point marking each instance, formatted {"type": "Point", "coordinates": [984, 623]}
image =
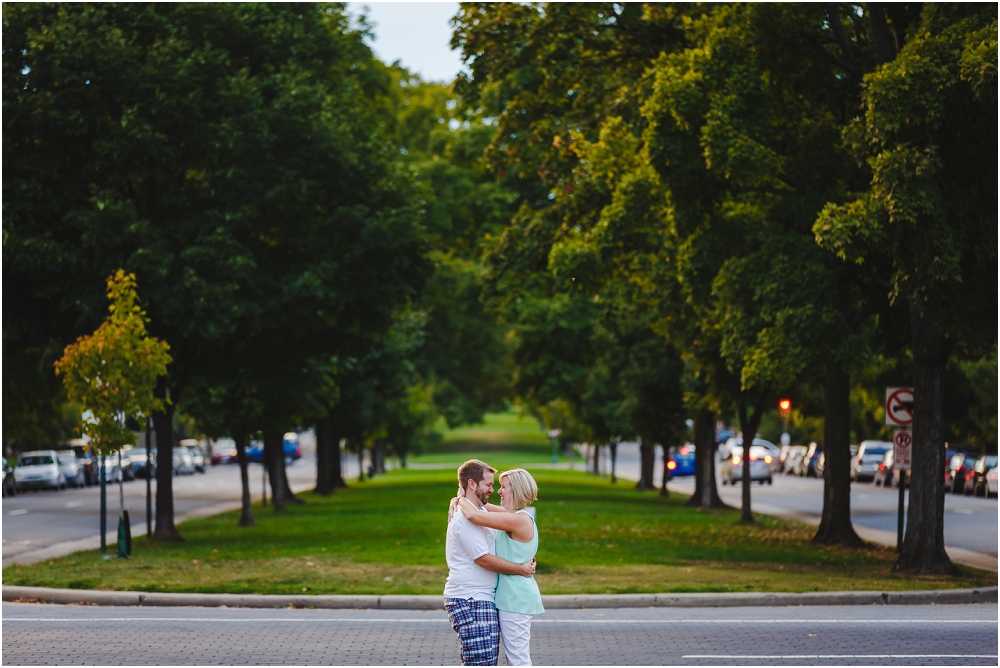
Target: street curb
{"type": "Point", "coordinates": [15, 594]}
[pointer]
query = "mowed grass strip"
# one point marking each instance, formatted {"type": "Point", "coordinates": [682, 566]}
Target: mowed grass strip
{"type": "Point", "coordinates": [386, 536]}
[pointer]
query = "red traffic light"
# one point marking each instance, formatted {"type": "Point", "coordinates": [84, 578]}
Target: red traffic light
{"type": "Point", "coordinates": [785, 404]}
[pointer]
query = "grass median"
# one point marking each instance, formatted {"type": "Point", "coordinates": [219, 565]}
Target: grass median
{"type": "Point", "coordinates": [386, 536]}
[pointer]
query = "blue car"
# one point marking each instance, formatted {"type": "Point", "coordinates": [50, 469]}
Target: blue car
{"type": "Point", "coordinates": [681, 461]}
{"type": "Point", "coordinates": [290, 444]}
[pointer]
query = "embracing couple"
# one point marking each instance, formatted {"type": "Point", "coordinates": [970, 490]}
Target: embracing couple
{"type": "Point", "coordinates": [491, 592]}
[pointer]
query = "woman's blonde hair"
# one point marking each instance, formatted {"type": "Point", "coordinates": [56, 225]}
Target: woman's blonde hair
{"type": "Point", "coordinates": [522, 487]}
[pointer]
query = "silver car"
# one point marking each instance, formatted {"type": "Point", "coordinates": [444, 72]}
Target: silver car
{"type": "Point", "coordinates": [72, 468]}
{"type": "Point", "coordinates": [731, 468]}
{"type": "Point", "coordinates": [39, 469]}
{"type": "Point", "coordinates": [870, 455]}
{"type": "Point", "coordinates": [183, 461]}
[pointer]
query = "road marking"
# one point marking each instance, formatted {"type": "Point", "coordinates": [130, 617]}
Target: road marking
{"type": "Point", "coordinates": [74, 504]}
{"type": "Point", "coordinates": [963, 511]}
{"type": "Point", "coordinates": [839, 656]}
{"type": "Point", "coordinates": [271, 620]}
{"type": "Point", "coordinates": [22, 511]}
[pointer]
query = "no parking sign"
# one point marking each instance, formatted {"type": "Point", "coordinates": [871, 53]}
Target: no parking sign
{"type": "Point", "coordinates": [902, 440]}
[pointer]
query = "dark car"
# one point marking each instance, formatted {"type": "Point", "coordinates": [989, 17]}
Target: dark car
{"type": "Point", "coordinates": [958, 467]}
{"type": "Point", "coordinates": [681, 461]}
{"type": "Point", "coordinates": [91, 474]}
{"type": "Point", "coordinates": [8, 479]}
{"type": "Point", "coordinates": [140, 464]}
{"type": "Point", "coordinates": [975, 479]}
{"type": "Point", "coordinates": [223, 451]}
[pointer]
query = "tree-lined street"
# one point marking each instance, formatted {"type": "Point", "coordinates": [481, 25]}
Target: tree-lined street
{"type": "Point", "coordinates": [620, 226]}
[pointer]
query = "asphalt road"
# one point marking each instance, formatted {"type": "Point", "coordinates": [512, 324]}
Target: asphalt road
{"type": "Point", "coordinates": [844, 635]}
{"type": "Point", "coordinates": [970, 522]}
{"type": "Point", "coordinates": [36, 522]}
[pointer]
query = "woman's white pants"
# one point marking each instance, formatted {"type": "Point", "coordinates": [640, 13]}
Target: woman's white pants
{"type": "Point", "coordinates": [515, 631]}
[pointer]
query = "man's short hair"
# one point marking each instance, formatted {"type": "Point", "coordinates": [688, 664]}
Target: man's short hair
{"type": "Point", "coordinates": [473, 470]}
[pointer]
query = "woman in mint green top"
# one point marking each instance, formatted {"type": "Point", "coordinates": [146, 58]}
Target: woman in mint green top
{"type": "Point", "coordinates": [517, 597]}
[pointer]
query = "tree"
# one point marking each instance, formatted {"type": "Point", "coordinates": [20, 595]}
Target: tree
{"type": "Point", "coordinates": [234, 157]}
{"type": "Point", "coordinates": [112, 373]}
{"type": "Point", "coordinates": [928, 136]}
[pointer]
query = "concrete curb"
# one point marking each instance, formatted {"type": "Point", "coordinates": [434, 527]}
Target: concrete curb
{"type": "Point", "coordinates": [552, 602]}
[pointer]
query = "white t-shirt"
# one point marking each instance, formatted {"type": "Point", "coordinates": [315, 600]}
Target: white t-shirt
{"type": "Point", "coordinates": [465, 543]}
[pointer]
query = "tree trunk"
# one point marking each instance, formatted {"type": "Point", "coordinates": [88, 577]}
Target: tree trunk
{"type": "Point", "coordinates": [281, 493]}
{"type": "Point", "coordinates": [923, 545]}
{"type": "Point", "coordinates": [336, 470]}
{"type": "Point", "coordinates": [246, 511]}
{"type": "Point", "coordinates": [378, 455]}
{"type": "Point", "coordinates": [597, 459]}
{"type": "Point", "coordinates": [664, 492]}
{"type": "Point", "coordinates": [163, 424]}
{"type": "Point", "coordinates": [647, 457]}
{"type": "Point", "coordinates": [835, 526]}
{"type": "Point", "coordinates": [324, 457]}
{"type": "Point", "coordinates": [614, 460]}
{"type": "Point", "coordinates": [748, 425]}
{"type": "Point", "coordinates": [361, 460]}
{"type": "Point", "coordinates": [706, 491]}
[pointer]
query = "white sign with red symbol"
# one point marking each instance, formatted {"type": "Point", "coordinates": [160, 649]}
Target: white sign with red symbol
{"type": "Point", "coordinates": [899, 406]}
{"type": "Point", "coordinates": [902, 442]}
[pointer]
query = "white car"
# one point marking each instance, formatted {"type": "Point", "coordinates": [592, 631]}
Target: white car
{"type": "Point", "coordinates": [731, 468]}
{"type": "Point", "coordinates": [870, 454]}
{"type": "Point", "coordinates": [772, 450]}
{"type": "Point", "coordinates": [72, 468]}
{"type": "Point", "coordinates": [39, 469]}
{"type": "Point", "coordinates": [991, 482]}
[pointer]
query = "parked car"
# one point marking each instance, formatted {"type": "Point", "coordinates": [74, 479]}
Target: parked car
{"type": "Point", "coordinates": [223, 451]}
{"type": "Point", "coordinates": [183, 461]}
{"type": "Point", "coordinates": [112, 471]}
{"type": "Point", "coordinates": [87, 460]}
{"type": "Point", "coordinates": [197, 456]}
{"type": "Point", "coordinates": [731, 468]}
{"type": "Point", "coordinates": [290, 445]}
{"type": "Point", "coordinates": [772, 450]}
{"type": "Point", "coordinates": [72, 468]}
{"type": "Point", "coordinates": [793, 456]}
{"type": "Point", "coordinates": [39, 469]}
{"type": "Point", "coordinates": [954, 475]}
{"type": "Point", "coordinates": [870, 454]}
{"type": "Point", "coordinates": [126, 463]}
{"type": "Point", "coordinates": [139, 462]}
{"type": "Point", "coordinates": [991, 482]}
{"type": "Point", "coordinates": [681, 461]}
{"type": "Point", "coordinates": [806, 466]}
{"type": "Point", "coordinates": [8, 479]}
{"type": "Point", "coordinates": [885, 475]}
{"type": "Point", "coordinates": [975, 479]}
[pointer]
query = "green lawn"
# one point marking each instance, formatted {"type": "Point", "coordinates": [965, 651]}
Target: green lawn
{"type": "Point", "coordinates": [386, 536]}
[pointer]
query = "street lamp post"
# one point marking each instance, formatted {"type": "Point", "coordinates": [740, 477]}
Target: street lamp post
{"type": "Point", "coordinates": [149, 478]}
{"type": "Point", "coordinates": [554, 437]}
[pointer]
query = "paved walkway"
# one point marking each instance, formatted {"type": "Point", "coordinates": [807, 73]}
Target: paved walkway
{"type": "Point", "coordinates": [848, 635]}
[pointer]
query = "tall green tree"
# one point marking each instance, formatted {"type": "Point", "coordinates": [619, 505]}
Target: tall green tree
{"type": "Point", "coordinates": [233, 156]}
{"type": "Point", "coordinates": [928, 136]}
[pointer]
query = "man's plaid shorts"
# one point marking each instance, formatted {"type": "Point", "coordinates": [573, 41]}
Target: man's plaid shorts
{"type": "Point", "coordinates": [478, 627]}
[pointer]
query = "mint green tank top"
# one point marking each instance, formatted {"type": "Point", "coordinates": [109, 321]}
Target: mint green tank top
{"type": "Point", "coordinates": [516, 593]}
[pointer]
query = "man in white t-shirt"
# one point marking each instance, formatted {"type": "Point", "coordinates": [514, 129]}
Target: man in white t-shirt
{"type": "Point", "coordinates": [471, 586]}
